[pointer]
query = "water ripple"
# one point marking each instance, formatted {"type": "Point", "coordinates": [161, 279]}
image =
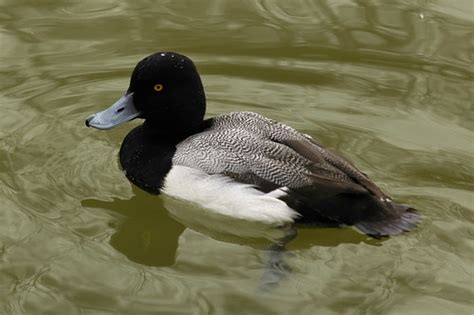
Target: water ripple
{"type": "Point", "coordinates": [388, 85]}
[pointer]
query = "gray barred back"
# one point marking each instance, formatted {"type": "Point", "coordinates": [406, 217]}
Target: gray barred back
{"type": "Point", "coordinates": [247, 145]}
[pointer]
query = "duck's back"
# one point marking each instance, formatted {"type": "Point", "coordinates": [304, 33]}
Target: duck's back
{"type": "Point", "coordinates": [253, 148]}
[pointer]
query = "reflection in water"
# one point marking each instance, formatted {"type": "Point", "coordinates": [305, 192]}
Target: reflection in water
{"type": "Point", "coordinates": [148, 235]}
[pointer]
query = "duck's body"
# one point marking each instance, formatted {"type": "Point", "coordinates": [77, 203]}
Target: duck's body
{"type": "Point", "coordinates": [241, 164]}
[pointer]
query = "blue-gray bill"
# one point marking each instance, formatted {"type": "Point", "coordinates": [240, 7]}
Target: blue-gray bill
{"type": "Point", "coordinates": [121, 111]}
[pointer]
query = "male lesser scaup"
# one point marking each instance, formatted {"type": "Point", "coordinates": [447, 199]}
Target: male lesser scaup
{"type": "Point", "coordinates": [239, 164]}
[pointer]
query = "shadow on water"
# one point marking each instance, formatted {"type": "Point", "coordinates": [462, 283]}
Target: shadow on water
{"type": "Point", "coordinates": [149, 234]}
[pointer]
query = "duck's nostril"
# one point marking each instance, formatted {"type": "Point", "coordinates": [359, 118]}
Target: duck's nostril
{"type": "Point", "coordinates": [120, 109]}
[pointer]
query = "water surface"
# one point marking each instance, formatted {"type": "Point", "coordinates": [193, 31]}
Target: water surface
{"type": "Point", "coordinates": [387, 84]}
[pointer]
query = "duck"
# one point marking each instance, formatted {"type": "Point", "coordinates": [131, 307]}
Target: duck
{"type": "Point", "coordinates": [240, 165]}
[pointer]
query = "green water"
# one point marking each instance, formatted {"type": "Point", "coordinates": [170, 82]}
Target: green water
{"type": "Point", "coordinates": [386, 83]}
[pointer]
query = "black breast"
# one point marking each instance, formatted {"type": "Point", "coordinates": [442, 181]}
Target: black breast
{"type": "Point", "coordinates": [146, 158]}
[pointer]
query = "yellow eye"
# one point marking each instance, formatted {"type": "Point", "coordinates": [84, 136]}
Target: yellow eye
{"type": "Point", "coordinates": [158, 87]}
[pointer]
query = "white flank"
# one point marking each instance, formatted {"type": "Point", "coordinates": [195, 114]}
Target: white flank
{"type": "Point", "coordinates": [226, 197]}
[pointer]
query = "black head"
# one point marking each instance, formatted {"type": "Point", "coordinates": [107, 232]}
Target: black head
{"type": "Point", "coordinates": [167, 86]}
{"type": "Point", "coordinates": [166, 90]}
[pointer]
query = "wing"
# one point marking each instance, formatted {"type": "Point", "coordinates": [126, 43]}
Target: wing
{"type": "Point", "coordinates": [314, 152]}
{"type": "Point", "coordinates": [259, 151]}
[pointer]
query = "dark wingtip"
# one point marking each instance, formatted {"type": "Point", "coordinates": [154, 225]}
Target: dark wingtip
{"type": "Point", "coordinates": [88, 120]}
{"type": "Point", "coordinates": [407, 220]}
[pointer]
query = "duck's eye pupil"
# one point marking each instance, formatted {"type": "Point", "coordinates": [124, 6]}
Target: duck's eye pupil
{"type": "Point", "coordinates": [158, 87]}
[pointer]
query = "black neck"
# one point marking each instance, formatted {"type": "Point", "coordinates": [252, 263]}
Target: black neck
{"type": "Point", "coordinates": [147, 151]}
{"type": "Point", "coordinates": [169, 131]}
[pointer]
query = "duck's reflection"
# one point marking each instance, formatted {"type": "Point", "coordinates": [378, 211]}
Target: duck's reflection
{"type": "Point", "coordinates": [147, 235]}
{"type": "Point", "coordinates": [152, 226]}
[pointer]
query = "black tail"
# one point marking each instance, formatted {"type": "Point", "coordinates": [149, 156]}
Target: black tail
{"type": "Point", "coordinates": [403, 219]}
{"type": "Point", "coordinates": [371, 215]}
